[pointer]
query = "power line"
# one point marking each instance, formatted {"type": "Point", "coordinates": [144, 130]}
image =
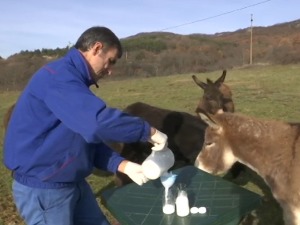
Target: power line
{"type": "Point", "coordinates": [211, 17]}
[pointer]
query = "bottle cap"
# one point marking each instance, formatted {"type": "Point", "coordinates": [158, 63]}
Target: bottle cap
{"type": "Point", "coordinates": [202, 210]}
{"type": "Point", "coordinates": [194, 210]}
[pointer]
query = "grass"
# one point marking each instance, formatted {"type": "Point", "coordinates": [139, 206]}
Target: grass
{"type": "Point", "coordinates": [263, 91]}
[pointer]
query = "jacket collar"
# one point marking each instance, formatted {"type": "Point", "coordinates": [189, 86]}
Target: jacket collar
{"type": "Point", "coordinates": [79, 62]}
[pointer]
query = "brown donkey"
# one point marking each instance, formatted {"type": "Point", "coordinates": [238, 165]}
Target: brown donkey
{"type": "Point", "coordinates": [270, 148]}
{"type": "Point", "coordinates": [217, 96]}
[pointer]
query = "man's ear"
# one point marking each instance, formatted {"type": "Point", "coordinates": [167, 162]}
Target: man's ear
{"type": "Point", "coordinates": [97, 48]}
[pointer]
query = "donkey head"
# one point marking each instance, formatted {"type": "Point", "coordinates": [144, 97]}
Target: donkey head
{"type": "Point", "coordinates": [217, 96]}
{"type": "Point", "coordinates": [216, 156]}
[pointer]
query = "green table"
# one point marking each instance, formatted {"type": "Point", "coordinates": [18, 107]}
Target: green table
{"type": "Point", "coordinates": [226, 202]}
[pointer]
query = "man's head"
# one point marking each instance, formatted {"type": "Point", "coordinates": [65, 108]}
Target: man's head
{"type": "Point", "coordinates": [101, 48]}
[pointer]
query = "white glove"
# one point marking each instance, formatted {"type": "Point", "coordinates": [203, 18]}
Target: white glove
{"type": "Point", "coordinates": [134, 171]}
{"type": "Point", "coordinates": [159, 140]}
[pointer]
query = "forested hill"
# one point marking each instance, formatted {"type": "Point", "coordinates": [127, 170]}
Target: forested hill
{"type": "Point", "coordinates": [163, 53]}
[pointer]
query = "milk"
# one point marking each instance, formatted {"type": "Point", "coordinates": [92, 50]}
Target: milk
{"type": "Point", "coordinates": [169, 209]}
{"type": "Point", "coordinates": [168, 204]}
{"type": "Point", "coordinates": [182, 204]}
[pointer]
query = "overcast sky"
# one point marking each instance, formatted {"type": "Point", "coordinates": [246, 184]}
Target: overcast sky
{"type": "Point", "coordinates": [37, 24]}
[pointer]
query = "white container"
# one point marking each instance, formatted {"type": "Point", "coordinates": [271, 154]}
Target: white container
{"type": "Point", "coordinates": [168, 204]}
{"type": "Point", "coordinates": [157, 163]}
{"type": "Point", "coordinates": [182, 204]}
{"type": "Point", "coordinates": [202, 210]}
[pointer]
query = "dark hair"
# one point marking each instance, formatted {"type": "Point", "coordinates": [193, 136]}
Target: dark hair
{"type": "Point", "coordinates": [98, 34]}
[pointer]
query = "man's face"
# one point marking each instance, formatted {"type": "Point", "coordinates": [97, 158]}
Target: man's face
{"type": "Point", "coordinates": [101, 61]}
{"type": "Point", "coordinates": [107, 59]}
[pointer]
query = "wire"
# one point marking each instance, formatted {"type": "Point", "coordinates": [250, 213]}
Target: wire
{"type": "Point", "coordinates": [211, 17]}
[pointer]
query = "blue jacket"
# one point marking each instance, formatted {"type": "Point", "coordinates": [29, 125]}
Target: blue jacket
{"type": "Point", "coordinates": [58, 128]}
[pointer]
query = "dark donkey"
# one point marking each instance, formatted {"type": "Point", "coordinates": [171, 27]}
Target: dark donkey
{"type": "Point", "coordinates": [270, 148]}
{"type": "Point", "coordinates": [185, 131]}
{"type": "Point", "coordinates": [217, 96]}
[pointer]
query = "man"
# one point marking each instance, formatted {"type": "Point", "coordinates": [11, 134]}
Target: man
{"type": "Point", "coordinates": [57, 134]}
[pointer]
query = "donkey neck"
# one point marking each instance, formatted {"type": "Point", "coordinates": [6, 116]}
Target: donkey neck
{"type": "Point", "coordinates": [264, 146]}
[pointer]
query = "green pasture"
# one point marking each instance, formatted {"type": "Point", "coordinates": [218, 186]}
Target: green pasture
{"type": "Point", "coordinates": [271, 92]}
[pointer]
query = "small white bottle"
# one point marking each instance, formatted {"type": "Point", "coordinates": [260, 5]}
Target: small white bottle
{"type": "Point", "coordinates": [168, 201]}
{"type": "Point", "coordinates": [182, 204]}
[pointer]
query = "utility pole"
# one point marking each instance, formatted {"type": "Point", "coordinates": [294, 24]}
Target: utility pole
{"type": "Point", "coordinates": [250, 62]}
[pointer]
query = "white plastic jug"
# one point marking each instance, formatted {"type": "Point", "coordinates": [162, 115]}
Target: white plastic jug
{"type": "Point", "coordinates": [157, 163]}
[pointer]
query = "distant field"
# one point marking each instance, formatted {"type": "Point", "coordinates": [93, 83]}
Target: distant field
{"type": "Point", "coordinates": [262, 91]}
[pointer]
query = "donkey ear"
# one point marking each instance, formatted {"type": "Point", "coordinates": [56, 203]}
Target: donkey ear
{"type": "Point", "coordinates": [209, 81]}
{"type": "Point", "coordinates": [199, 83]}
{"type": "Point", "coordinates": [208, 119]}
{"type": "Point", "coordinates": [221, 79]}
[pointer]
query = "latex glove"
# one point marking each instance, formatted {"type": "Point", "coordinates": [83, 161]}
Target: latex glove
{"type": "Point", "coordinates": [159, 140]}
{"type": "Point", "coordinates": [134, 171]}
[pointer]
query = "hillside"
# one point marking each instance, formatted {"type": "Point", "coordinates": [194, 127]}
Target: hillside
{"type": "Point", "coordinates": [163, 53]}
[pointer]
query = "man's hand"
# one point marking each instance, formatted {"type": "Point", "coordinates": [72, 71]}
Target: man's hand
{"type": "Point", "coordinates": [134, 171]}
{"type": "Point", "coordinates": [159, 140]}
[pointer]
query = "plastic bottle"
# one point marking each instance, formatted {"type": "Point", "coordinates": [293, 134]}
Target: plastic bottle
{"type": "Point", "coordinates": [182, 204]}
{"type": "Point", "coordinates": [168, 202]}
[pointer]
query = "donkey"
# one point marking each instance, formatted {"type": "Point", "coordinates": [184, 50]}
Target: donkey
{"type": "Point", "coordinates": [269, 147]}
{"type": "Point", "coordinates": [185, 136]}
{"type": "Point", "coordinates": [185, 131]}
{"type": "Point", "coordinates": [217, 96]}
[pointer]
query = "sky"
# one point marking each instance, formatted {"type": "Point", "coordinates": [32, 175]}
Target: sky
{"type": "Point", "coordinates": [37, 24]}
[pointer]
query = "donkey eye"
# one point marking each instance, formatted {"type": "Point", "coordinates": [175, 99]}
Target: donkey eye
{"type": "Point", "coordinates": [209, 144]}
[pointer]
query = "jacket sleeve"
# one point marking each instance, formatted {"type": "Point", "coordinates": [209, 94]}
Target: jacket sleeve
{"type": "Point", "coordinates": [83, 112]}
{"type": "Point", "coordinates": [106, 158]}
